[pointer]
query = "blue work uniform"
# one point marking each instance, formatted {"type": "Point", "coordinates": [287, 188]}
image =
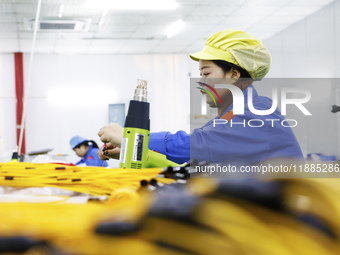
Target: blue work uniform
{"type": "Point", "coordinates": [234, 141]}
{"type": "Point", "coordinates": [91, 158]}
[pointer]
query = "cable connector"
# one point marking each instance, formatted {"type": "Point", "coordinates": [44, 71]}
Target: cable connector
{"type": "Point", "coordinates": [15, 155]}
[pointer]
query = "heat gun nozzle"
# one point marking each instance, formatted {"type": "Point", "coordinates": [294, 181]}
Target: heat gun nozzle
{"type": "Point", "coordinates": [141, 93]}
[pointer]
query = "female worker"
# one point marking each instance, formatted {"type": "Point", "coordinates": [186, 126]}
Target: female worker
{"type": "Point", "coordinates": [229, 57]}
{"type": "Point", "coordinates": [87, 150]}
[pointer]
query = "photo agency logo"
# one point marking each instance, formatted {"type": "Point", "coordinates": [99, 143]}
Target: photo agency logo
{"type": "Point", "coordinates": [207, 92]}
{"type": "Point", "coordinates": [239, 106]}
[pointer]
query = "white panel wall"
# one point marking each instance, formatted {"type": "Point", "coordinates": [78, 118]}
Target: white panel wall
{"type": "Point", "coordinates": [7, 107]}
{"type": "Point", "coordinates": [69, 95]}
{"type": "Point", "coordinates": [311, 49]}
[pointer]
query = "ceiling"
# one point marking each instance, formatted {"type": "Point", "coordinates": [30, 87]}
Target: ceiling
{"type": "Point", "coordinates": [144, 31]}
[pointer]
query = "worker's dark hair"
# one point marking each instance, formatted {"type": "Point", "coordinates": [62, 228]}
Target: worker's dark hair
{"type": "Point", "coordinates": [86, 143]}
{"type": "Point", "coordinates": [226, 67]}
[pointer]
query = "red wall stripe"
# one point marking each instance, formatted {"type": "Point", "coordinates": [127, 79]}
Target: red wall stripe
{"type": "Point", "coordinates": [19, 92]}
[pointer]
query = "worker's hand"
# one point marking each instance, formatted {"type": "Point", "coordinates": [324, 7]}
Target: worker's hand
{"type": "Point", "coordinates": [112, 134]}
{"type": "Point", "coordinates": [110, 151]}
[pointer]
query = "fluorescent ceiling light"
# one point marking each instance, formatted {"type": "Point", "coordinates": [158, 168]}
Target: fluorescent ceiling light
{"type": "Point", "coordinates": [174, 28]}
{"type": "Point", "coordinates": [84, 96]}
{"type": "Point", "coordinates": [133, 4]}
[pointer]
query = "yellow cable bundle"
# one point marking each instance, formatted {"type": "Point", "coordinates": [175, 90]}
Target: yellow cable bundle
{"type": "Point", "coordinates": [202, 219]}
{"type": "Point", "coordinates": [255, 229]}
{"type": "Point", "coordinates": [90, 180]}
{"type": "Point", "coordinates": [232, 226]}
{"type": "Point", "coordinates": [222, 227]}
{"type": "Point", "coordinates": [69, 227]}
{"type": "Point", "coordinates": [319, 197]}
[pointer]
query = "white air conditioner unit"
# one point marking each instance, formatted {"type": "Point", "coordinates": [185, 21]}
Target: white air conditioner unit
{"type": "Point", "coordinates": [58, 24]}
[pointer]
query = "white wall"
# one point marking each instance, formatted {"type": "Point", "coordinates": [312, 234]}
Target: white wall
{"type": "Point", "coordinates": [310, 49]}
{"type": "Point", "coordinates": [7, 106]}
{"type": "Point", "coordinates": [69, 95]}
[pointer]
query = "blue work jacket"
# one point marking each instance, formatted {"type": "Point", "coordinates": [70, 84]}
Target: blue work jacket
{"type": "Point", "coordinates": [91, 158]}
{"type": "Point", "coordinates": [234, 141]}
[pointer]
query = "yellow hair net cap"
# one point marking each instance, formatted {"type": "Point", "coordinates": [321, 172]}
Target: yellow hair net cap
{"type": "Point", "coordinates": [239, 48]}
